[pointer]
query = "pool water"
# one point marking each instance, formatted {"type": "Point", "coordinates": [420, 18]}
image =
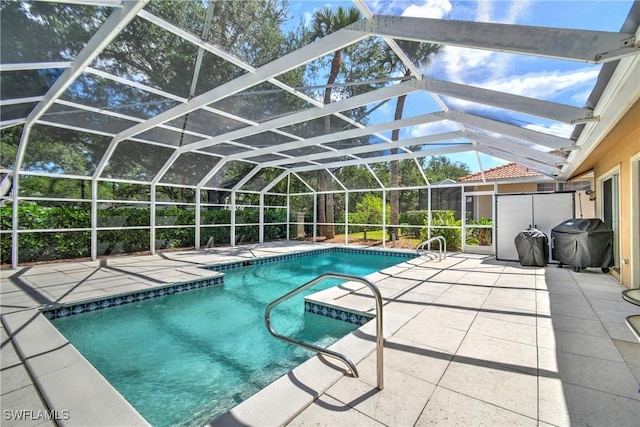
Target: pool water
{"type": "Point", "coordinates": [186, 358]}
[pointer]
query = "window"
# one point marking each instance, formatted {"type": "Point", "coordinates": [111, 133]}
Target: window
{"type": "Point", "coordinates": [567, 186]}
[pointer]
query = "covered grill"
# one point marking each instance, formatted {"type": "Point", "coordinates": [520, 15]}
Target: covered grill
{"type": "Point", "coordinates": [583, 242]}
{"type": "Point", "coordinates": [532, 247]}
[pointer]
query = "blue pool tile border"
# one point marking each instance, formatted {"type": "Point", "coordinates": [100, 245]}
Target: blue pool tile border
{"type": "Point", "coordinates": [336, 313]}
{"type": "Point", "coordinates": [66, 310]}
{"type": "Point", "coordinates": [268, 259]}
{"type": "Point", "coordinates": [119, 300]}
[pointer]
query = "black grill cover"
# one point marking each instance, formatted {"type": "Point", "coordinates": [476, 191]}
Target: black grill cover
{"type": "Point", "coordinates": [583, 242]}
{"type": "Point", "coordinates": [532, 246]}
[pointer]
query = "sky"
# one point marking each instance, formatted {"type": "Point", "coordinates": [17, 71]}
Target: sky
{"type": "Point", "coordinates": [561, 81]}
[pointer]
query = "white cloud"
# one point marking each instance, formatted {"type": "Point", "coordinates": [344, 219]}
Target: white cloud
{"type": "Point", "coordinates": [580, 98]}
{"type": "Point", "coordinates": [462, 64]}
{"type": "Point", "coordinates": [435, 9]}
{"type": "Point", "coordinates": [547, 84]}
{"type": "Point", "coordinates": [432, 128]}
{"type": "Point", "coordinates": [417, 8]}
{"type": "Point", "coordinates": [466, 65]}
{"type": "Point", "coordinates": [485, 11]}
{"type": "Point", "coordinates": [561, 130]}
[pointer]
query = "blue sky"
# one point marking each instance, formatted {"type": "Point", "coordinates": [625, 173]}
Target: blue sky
{"type": "Point", "coordinates": [560, 81]}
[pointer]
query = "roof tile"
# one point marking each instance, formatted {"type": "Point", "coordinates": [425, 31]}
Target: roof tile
{"type": "Point", "coordinates": [508, 171]}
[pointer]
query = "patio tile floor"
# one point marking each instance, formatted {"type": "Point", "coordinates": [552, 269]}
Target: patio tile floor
{"type": "Point", "coordinates": [471, 341]}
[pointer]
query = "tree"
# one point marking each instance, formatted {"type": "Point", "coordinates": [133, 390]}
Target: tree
{"type": "Point", "coordinates": [326, 22]}
{"type": "Point", "coordinates": [439, 168]}
{"type": "Point", "coordinates": [368, 211]}
{"type": "Point", "coordinates": [419, 54]}
{"type": "Point", "coordinates": [145, 53]}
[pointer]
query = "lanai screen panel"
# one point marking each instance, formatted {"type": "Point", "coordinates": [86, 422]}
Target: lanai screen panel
{"type": "Point", "coordinates": [261, 103]}
{"type": "Point", "coordinates": [198, 78]}
{"type": "Point", "coordinates": [27, 83]}
{"type": "Point", "coordinates": [38, 32]}
{"type": "Point", "coordinates": [93, 91]}
{"type": "Point", "coordinates": [137, 162]}
{"type": "Point", "coordinates": [63, 151]}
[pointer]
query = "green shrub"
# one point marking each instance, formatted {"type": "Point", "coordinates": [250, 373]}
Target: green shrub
{"type": "Point", "coordinates": [413, 218]}
{"type": "Point", "coordinates": [444, 223]}
{"type": "Point", "coordinates": [480, 236]}
{"type": "Point", "coordinates": [76, 244]}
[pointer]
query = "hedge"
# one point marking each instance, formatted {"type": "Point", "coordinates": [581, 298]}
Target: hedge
{"type": "Point", "coordinates": [43, 246]}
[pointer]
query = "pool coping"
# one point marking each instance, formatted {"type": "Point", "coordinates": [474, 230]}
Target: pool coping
{"type": "Point", "coordinates": [69, 384]}
{"type": "Point", "coordinates": [81, 306]}
{"type": "Point", "coordinates": [302, 385]}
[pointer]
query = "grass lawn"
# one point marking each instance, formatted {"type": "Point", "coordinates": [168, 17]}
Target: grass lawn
{"type": "Point", "coordinates": [374, 237]}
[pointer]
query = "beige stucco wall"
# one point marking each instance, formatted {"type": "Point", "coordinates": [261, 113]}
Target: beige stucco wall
{"type": "Point", "coordinates": [527, 187]}
{"type": "Point", "coordinates": [616, 150]}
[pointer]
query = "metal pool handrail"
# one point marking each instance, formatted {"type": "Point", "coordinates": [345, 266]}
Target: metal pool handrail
{"type": "Point", "coordinates": [441, 242]}
{"type": "Point", "coordinates": [326, 351]}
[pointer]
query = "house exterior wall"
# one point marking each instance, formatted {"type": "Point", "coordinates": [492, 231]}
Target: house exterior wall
{"type": "Point", "coordinates": [617, 150]}
{"type": "Point", "coordinates": [524, 187]}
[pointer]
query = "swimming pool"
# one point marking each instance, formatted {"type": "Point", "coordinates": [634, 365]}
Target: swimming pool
{"type": "Point", "coordinates": [186, 358]}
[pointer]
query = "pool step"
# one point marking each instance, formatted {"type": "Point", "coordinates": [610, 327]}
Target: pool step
{"type": "Point", "coordinates": [349, 302]}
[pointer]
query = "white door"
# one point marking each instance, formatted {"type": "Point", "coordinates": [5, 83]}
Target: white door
{"type": "Point", "coordinates": [514, 213]}
{"type": "Point", "coordinates": [478, 223]}
{"type": "Point", "coordinates": [611, 212]}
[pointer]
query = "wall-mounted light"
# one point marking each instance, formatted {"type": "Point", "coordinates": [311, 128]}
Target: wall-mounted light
{"type": "Point", "coordinates": [591, 194]}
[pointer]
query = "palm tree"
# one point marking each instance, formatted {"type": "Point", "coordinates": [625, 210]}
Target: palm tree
{"type": "Point", "coordinates": [325, 22]}
{"type": "Point", "coordinates": [419, 54]}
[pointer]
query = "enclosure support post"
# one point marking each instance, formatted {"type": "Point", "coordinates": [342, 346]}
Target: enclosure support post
{"type": "Point", "coordinates": [14, 209]}
{"type": "Point", "coordinates": [261, 219]}
{"type": "Point", "coordinates": [346, 217]}
{"type": "Point", "coordinates": [232, 231]}
{"type": "Point", "coordinates": [152, 220]}
{"type": "Point", "coordinates": [384, 218]}
{"type": "Point", "coordinates": [198, 217]}
{"type": "Point", "coordinates": [463, 219]}
{"type": "Point", "coordinates": [288, 206]}
{"type": "Point", "coordinates": [315, 217]}
{"type": "Point", "coordinates": [429, 216]}
{"type": "Point", "coordinates": [94, 218]}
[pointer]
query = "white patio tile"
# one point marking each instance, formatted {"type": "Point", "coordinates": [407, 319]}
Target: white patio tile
{"type": "Point", "coordinates": [597, 374]}
{"type": "Point", "coordinates": [13, 378]}
{"type": "Point", "coordinates": [8, 354]}
{"type": "Point", "coordinates": [630, 352]}
{"type": "Point", "coordinates": [512, 299]}
{"type": "Point", "coordinates": [449, 408]}
{"type": "Point", "coordinates": [398, 404]}
{"type": "Point", "coordinates": [485, 349]}
{"type": "Point", "coordinates": [439, 337]}
{"type": "Point", "coordinates": [24, 399]}
{"type": "Point", "coordinates": [525, 317]}
{"type": "Point", "coordinates": [475, 342]}
{"type": "Point", "coordinates": [495, 384]}
{"type": "Point", "coordinates": [524, 281]}
{"type": "Point", "coordinates": [432, 288]}
{"type": "Point", "coordinates": [416, 359]}
{"type": "Point", "coordinates": [498, 328]}
{"type": "Point", "coordinates": [564, 404]}
{"type": "Point", "coordinates": [438, 315]}
{"type": "Point", "coordinates": [578, 343]}
{"type": "Point", "coordinates": [578, 325]}
{"type": "Point", "coordinates": [327, 411]}
{"type": "Point", "coordinates": [479, 278]}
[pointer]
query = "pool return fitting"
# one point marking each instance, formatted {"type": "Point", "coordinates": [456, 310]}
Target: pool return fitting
{"type": "Point", "coordinates": [326, 351]}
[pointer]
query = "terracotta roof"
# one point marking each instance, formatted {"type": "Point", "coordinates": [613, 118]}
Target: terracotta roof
{"type": "Point", "coordinates": [508, 171]}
